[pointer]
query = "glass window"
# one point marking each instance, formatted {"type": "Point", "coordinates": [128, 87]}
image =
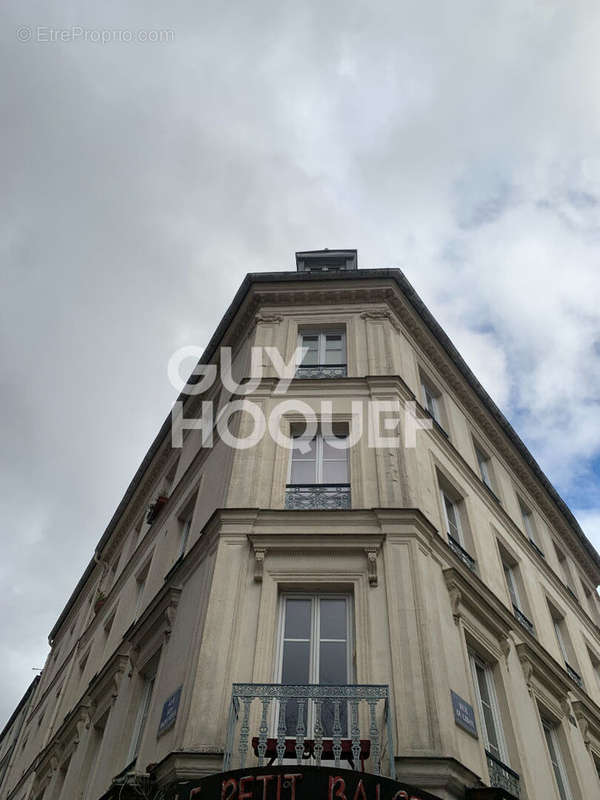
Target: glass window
{"type": "Point", "coordinates": [323, 348]}
{"type": "Point", "coordinates": [484, 467]}
{"type": "Point", "coordinates": [527, 517]}
{"type": "Point", "coordinates": [511, 582]}
{"type": "Point", "coordinates": [453, 523]}
{"type": "Point", "coordinates": [488, 708]}
{"type": "Point", "coordinates": [556, 760]}
{"type": "Point", "coordinates": [149, 678]}
{"type": "Point", "coordinates": [315, 649]}
{"type": "Point", "coordinates": [322, 461]}
{"type": "Point", "coordinates": [431, 401]}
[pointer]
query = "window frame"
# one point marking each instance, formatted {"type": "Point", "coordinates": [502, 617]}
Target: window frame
{"type": "Point", "coordinates": [319, 461]}
{"type": "Point", "coordinates": [315, 639]}
{"type": "Point", "coordinates": [460, 538]}
{"type": "Point", "coordinates": [476, 661]}
{"type": "Point", "coordinates": [321, 334]}
{"type": "Point", "coordinates": [559, 769]}
{"type": "Point", "coordinates": [148, 675]}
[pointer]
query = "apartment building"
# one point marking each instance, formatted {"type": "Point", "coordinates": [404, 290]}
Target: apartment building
{"type": "Point", "coordinates": [393, 598]}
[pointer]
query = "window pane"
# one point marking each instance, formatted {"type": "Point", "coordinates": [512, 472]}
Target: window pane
{"type": "Point", "coordinates": [306, 452]}
{"type": "Point", "coordinates": [335, 472]}
{"type": "Point", "coordinates": [296, 659]}
{"type": "Point", "coordinates": [453, 527]}
{"type": "Point", "coordinates": [333, 619]}
{"type": "Point", "coordinates": [332, 663]}
{"type": "Point", "coordinates": [311, 357]}
{"type": "Point", "coordinates": [303, 472]}
{"type": "Point", "coordinates": [331, 451]}
{"type": "Point", "coordinates": [488, 715]}
{"type": "Point", "coordinates": [297, 619]}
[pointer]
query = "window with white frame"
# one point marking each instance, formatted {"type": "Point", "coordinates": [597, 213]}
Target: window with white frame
{"type": "Point", "coordinates": [511, 582]}
{"type": "Point", "coordinates": [489, 711]}
{"type": "Point", "coordinates": [320, 460]}
{"type": "Point", "coordinates": [149, 678]}
{"type": "Point", "coordinates": [326, 348]}
{"type": "Point", "coordinates": [560, 631]}
{"type": "Point", "coordinates": [485, 467]}
{"type": "Point", "coordinates": [564, 568]}
{"type": "Point", "coordinates": [452, 516]}
{"type": "Point", "coordinates": [528, 523]}
{"type": "Point", "coordinates": [140, 585]}
{"type": "Point", "coordinates": [184, 520]}
{"type": "Point", "coordinates": [315, 647]}
{"type": "Point", "coordinates": [432, 400]}
{"type": "Point", "coordinates": [556, 760]}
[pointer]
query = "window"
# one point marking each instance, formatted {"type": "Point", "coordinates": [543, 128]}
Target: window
{"type": "Point", "coordinates": [589, 596]}
{"type": "Point", "coordinates": [511, 582]}
{"type": "Point", "coordinates": [140, 585]}
{"type": "Point", "coordinates": [323, 348]}
{"type": "Point", "coordinates": [452, 517]}
{"type": "Point", "coordinates": [528, 524]}
{"type": "Point", "coordinates": [184, 520]}
{"type": "Point", "coordinates": [324, 460]}
{"type": "Point", "coordinates": [595, 660]}
{"type": "Point", "coordinates": [324, 354]}
{"type": "Point", "coordinates": [556, 760]}
{"type": "Point", "coordinates": [565, 571]}
{"type": "Point", "coordinates": [149, 677]}
{"type": "Point", "coordinates": [93, 752]}
{"type": "Point", "coordinates": [558, 626]}
{"type": "Point", "coordinates": [315, 648]}
{"type": "Point", "coordinates": [489, 713]}
{"type": "Point", "coordinates": [109, 623]}
{"type": "Point", "coordinates": [485, 467]}
{"type": "Point", "coordinates": [432, 400]}
{"type": "Point", "coordinates": [185, 525]}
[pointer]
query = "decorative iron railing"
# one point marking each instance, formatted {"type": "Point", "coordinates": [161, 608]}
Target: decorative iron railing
{"type": "Point", "coordinates": [310, 721]}
{"type": "Point", "coordinates": [464, 556]}
{"type": "Point", "coordinates": [525, 621]}
{"type": "Point", "coordinates": [322, 496]}
{"type": "Point", "coordinates": [503, 777]}
{"type": "Point", "coordinates": [575, 676]}
{"type": "Point", "coordinates": [322, 371]}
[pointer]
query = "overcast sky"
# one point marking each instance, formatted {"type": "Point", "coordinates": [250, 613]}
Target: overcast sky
{"type": "Point", "coordinates": [141, 181]}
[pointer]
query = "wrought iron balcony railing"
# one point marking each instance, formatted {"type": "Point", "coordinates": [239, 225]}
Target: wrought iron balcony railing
{"type": "Point", "coordinates": [322, 496]}
{"type": "Point", "coordinates": [322, 371]}
{"type": "Point", "coordinates": [525, 621]}
{"type": "Point", "coordinates": [503, 777]}
{"type": "Point", "coordinates": [464, 556]}
{"type": "Point", "coordinates": [311, 723]}
{"type": "Point", "coordinates": [575, 676]}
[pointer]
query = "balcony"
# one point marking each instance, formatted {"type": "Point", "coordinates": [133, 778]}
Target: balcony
{"type": "Point", "coordinates": [575, 676]}
{"type": "Point", "coordinates": [322, 371]}
{"type": "Point", "coordinates": [310, 723]}
{"type": "Point", "coordinates": [459, 550]}
{"type": "Point", "coordinates": [523, 620]}
{"type": "Point", "coordinates": [320, 496]}
{"type": "Point", "coordinates": [503, 777]}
